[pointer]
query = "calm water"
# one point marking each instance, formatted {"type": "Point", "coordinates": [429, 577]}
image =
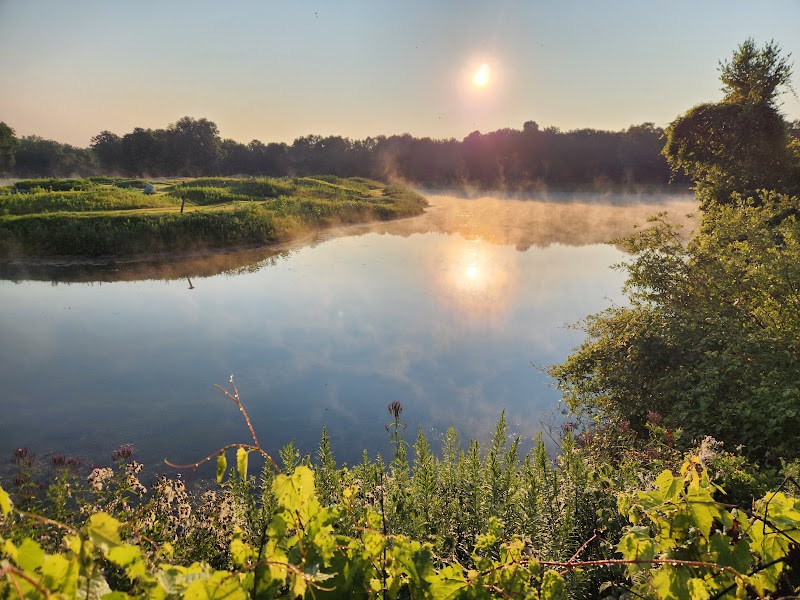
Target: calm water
{"type": "Point", "coordinates": [446, 313]}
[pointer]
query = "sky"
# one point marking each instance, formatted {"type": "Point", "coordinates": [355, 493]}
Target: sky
{"type": "Point", "coordinates": [277, 70]}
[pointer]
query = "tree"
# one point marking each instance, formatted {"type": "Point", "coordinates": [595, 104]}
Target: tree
{"type": "Point", "coordinates": [740, 144]}
{"type": "Point", "coordinates": [38, 157]}
{"type": "Point", "coordinates": [193, 147]}
{"type": "Point", "coordinates": [142, 152]}
{"type": "Point", "coordinates": [107, 148]}
{"type": "Point", "coordinates": [711, 339]}
{"type": "Point", "coordinates": [8, 145]}
{"type": "Point", "coordinates": [754, 76]}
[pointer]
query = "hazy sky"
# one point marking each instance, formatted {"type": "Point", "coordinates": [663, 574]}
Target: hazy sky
{"type": "Point", "coordinates": [274, 71]}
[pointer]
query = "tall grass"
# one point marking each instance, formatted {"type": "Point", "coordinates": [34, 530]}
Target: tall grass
{"type": "Point", "coordinates": [123, 234]}
{"type": "Point", "coordinates": [79, 201]}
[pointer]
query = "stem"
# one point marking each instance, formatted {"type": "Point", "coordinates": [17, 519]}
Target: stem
{"type": "Point", "coordinates": [46, 521]}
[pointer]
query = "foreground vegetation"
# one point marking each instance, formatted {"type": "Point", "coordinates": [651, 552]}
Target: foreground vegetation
{"type": "Point", "coordinates": [101, 216]}
{"type": "Point", "coordinates": [476, 522]}
{"type": "Point", "coordinates": [677, 475]}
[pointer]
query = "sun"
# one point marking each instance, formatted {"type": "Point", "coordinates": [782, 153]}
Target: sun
{"type": "Point", "coordinates": [481, 76]}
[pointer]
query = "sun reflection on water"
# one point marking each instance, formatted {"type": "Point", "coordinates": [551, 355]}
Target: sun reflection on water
{"type": "Point", "coordinates": [476, 279]}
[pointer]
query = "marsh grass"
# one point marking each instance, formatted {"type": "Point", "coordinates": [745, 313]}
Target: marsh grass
{"type": "Point", "coordinates": [93, 217]}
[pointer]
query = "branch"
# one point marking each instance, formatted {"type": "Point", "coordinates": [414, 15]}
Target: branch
{"type": "Point", "coordinates": [256, 446]}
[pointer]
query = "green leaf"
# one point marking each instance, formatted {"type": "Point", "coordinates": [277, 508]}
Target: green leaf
{"type": "Point", "coordinates": [221, 585]}
{"type": "Point", "coordinates": [637, 545]}
{"type": "Point", "coordinates": [240, 552]}
{"type": "Point", "coordinates": [222, 464]}
{"type": "Point", "coordinates": [97, 588]}
{"type": "Point", "coordinates": [103, 530]}
{"type": "Point", "coordinates": [5, 502]}
{"type": "Point", "coordinates": [737, 558]}
{"type": "Point", "coordinates": [55, 571]}
{"type": "Point", "coordinates": [448, 583]}
{"type": "Point", "coordinates": [698, 590]}
{"type": "Point", "coordinates": [553, 586]}
{"type": "Point", "coordinates": [128, 557]}
{"type": "Point", "coordinates": [702, 509]}
{"type": "Point", "coordinates": [61, 574]}
{"type": "Point", "coordinates": [672, 583]}
{"type": "Point", "coordinates": [669, 486]}
{"type": "Point", "coordinates": [30, 555]}
{"type": "Point", "coordinates": [295, 490]}
{"type": "Point", "coordinates": [241, 463]}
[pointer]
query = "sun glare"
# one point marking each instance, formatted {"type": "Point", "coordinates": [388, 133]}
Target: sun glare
{"type": "Point", "coordinates": [481, 76]}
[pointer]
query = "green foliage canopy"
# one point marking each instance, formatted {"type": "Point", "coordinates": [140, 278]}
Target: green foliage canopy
{"type": "Point", "coordinates": [755, 75]}
{"type": "Point", "coordinates": [711, 338]}
{"type": "Point", "coordinates": [8, 144]}
{"type": "Point", "coordinates": [742, 143]}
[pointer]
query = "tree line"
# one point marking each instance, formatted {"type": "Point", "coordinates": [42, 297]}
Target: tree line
{"type": "Point", "coordinates": [513, 158]}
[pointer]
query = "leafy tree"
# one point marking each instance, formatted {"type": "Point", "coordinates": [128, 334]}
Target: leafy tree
{"type": "Point", "coordinates": [8, 144]}
{"type": "Point", "coordinates": [742, 143]}
{"type": "Point", "coordinates": [107, 147]}
{"type": "Point", "coordinates": [755, 75]}
{"type": "Point", "coordinates": [193, 147]}
{"type": "Point", "coordinates": [142, 152]}
{"type": "Point", "coordinates": [709, 342]}
{"type": "Point", "coordinates": [36, 156]}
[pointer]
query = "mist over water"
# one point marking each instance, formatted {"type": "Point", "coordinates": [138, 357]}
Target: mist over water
{"type": "Point", "coordinates": [443, 312]}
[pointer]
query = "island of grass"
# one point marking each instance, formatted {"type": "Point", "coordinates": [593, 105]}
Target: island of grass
{"type": "Point", "coordinates": [103, 216]}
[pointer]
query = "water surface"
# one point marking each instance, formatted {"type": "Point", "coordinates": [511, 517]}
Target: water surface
{"type": "Point", "coordinates": [447, 313]}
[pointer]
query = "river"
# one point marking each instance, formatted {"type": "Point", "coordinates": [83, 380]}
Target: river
{"type": "Point", "coordinates": [450, 313]}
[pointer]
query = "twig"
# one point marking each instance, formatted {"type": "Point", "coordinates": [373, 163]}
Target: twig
{"type": "Point", "coordinates": [214, 454]}
{"type": "Point", "coordinates": [47, 521]}
{"type": "Point", "coordinates": [581, 549]}
{"type": "Point", "coordinates": [256, 445]}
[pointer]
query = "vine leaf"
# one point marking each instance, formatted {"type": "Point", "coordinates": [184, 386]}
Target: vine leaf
{"type": "Point", "coordinates": [103, 531]}
{"type": "Point", "coordinates": [222, 465]}
{"type": "Point", "coordinates": [5, 502]}
{"type": "Point", "coordinates": [241, 463]}
{"type": "Point", "coordinates": [672, 582]}
{"type": "Point", "coordinates": [29, 555]}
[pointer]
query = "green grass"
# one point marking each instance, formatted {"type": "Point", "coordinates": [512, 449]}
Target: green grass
{"type": "Point", "coordinates": [109, 217]}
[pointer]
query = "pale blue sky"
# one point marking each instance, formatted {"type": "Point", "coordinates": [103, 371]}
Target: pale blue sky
{"type": "Point", "coordinates": [276, 70]}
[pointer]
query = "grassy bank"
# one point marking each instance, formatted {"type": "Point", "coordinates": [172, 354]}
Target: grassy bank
{"type": "Point", "coordinates": [103, 216]}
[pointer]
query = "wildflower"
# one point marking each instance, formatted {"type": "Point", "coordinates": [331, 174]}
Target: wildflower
{"type": "Point", "coordinates": [654, 417]}
{"type": "Point", "coordinates": [22, 456]}
{"type": "Point", "coordinates": [395, 409]}
{"type": "Point", "coordinates": [98, 477]}
{"type": "Point", "coordinates": [59, 460]}
{"type": "Point", "coordinates": [73, 461]}
{"type": "Point", "coordinates": [184, 510]}
{"type": "Point", "coordinates": [124, 452]}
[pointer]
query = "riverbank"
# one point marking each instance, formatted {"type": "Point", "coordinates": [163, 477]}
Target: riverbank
{"type": "Point", "coordinates": [101, 216]}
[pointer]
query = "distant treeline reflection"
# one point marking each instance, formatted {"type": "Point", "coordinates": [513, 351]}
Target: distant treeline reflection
{"type": "Point", "coordinates": [519, 159]}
